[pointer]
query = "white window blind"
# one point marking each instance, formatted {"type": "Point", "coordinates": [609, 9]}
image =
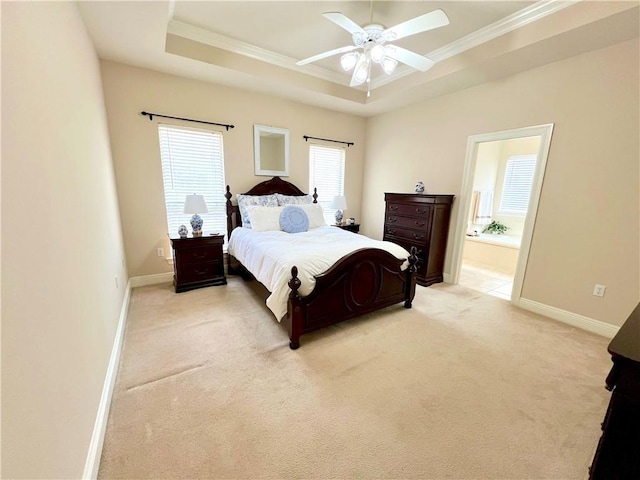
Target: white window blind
{"type": "Point", "coordinates": [326, 173]}
{"type": "Point", "coordinates": [518, 180]}
{"type": "Point", "coordinates": [193, 162]}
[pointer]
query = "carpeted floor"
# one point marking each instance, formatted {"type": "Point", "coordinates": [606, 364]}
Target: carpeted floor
{"type": "Point", "coordinates": [463, 385]}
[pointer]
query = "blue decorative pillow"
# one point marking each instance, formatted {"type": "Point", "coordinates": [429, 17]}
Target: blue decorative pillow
{"type": "Point", "coordinates": [294, 220]}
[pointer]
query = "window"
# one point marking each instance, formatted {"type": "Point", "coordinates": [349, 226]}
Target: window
{"type": "Point", "coordinates": [518, 180]}
{"type": "Point", "coordinates": [326, 173]}
{"type": "Point", "coordinates": [193, 162]}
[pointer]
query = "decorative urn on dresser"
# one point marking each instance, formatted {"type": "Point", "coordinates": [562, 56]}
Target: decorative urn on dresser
{"type": "Point", "coordinates": [422, 221]}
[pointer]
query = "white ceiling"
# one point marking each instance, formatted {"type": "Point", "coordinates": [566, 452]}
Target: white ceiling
{"type": "Point", "coordinates": [254, 45]}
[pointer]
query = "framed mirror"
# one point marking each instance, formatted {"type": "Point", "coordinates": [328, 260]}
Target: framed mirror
{"type": "Point", "coordinates": [271, 151]}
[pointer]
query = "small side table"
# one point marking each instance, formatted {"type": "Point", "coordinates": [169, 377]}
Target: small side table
{"type": "Point", "coordinates": [355, 228]}
{"type": "Point", "coordinates": [198, 262]}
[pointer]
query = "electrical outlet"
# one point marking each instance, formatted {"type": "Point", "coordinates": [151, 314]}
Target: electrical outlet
{"type": "Point", "coordinates": [160, 252]}
{"type": "Point", "coordinates": [598, 290]}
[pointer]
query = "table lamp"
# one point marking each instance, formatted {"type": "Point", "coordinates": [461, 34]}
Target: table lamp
{"type": "Point", "coordinates": [340, 204]}
{"type": "Point", "coordinates": [195, 204]}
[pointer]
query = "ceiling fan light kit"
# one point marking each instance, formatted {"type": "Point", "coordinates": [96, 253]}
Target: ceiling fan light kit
{"type": "Point", "coordinates": [371, 40]}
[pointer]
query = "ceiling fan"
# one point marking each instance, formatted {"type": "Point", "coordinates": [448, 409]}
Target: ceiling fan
{"type": "Point", "coordinates": [373, 41]}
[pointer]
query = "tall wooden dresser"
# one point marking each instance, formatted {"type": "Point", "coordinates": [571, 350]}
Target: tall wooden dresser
{"type": "Point", "coordinates": [618, 454]}
{"type": "Point", "coordinates": [421, 221]}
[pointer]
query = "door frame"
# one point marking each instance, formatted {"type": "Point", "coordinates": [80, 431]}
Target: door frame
{"type": "Point", "coordinates": [544, 132]}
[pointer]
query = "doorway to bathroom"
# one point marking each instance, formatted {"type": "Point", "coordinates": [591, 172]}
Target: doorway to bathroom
{"type": "Point", "coordinates": [498, 205]}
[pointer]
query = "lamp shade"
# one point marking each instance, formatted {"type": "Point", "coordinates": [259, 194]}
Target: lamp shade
{"type": "Point", "coordinates": [195, 204]}
{"type": "Point", "coordinates": [339, 202]}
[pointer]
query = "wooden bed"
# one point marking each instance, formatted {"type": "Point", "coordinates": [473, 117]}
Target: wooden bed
{"type": "Point", "coordinates": [367, 280]}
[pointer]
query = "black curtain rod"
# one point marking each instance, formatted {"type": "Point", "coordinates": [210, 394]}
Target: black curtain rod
{"type": "Point", "coordinates": [307, 137]}
{"type": "Point", "coordinates": [151, 115]}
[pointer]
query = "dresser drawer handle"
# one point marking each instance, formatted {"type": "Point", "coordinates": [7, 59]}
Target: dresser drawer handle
{"type": "Point", "coordinates": [393, 207]}
{"type": "Point", "coordinates": [392, 231]}
{"type": "Point", "coordinates": [420, 211]}
{"type": "Point", "coordinates": [392, 219]}
{"type": "Point", "coordinates": [199, 256]}
{"type": "Point", "coordinates": [420, 223]}
{"type": "Point", "coordinates": [418, 237]}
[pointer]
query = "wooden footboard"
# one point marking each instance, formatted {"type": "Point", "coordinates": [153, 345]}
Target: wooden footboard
{"type": "Point", "coordinates": [366, 280]}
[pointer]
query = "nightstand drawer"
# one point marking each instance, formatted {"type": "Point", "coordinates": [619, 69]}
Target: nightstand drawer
{"type": "Point", "coordinates": [196, 272]}
{"type": "Point", "coordinates": [198, 254]}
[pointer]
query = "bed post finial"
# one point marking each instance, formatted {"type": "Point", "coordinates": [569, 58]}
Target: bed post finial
{"type": "Point", "coordinates": [315, 195]}
{"type": "Point", "coordinates": [294, 283]}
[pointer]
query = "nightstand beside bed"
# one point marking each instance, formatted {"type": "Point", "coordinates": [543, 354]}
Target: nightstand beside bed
{"type": "Point", "coordinates": [198, 262]}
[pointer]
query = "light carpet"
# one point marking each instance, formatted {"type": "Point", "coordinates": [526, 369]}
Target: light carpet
{"type": "Point", "coordinates": [463, 385]}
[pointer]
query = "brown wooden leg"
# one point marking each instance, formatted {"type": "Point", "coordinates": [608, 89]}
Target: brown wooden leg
{"type": "Point", "coordinates": [294, 311]}
{"type": "Point", "coordinates": [411, 278]}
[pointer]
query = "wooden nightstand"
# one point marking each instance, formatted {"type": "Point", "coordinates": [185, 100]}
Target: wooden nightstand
{"type": "Point", "coordinates": [198, 262]}
{"type": "Point", "coordinates": [355, 228]}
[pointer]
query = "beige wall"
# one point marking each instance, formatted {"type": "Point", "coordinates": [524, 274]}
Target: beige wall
{"type": "Point", "coordinates": [134, 142]}
{"type": "Point", "coordinates": [61, 241]}
{"type": "Point", "coordinates": [588, 219]}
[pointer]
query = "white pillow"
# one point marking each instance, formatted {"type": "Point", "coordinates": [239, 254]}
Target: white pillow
{"type": "Point", "coordinates": [315, 214]}
{"type": "Point", "coordinates": [294, 199]}
{"type": "Point", "coordinates": [264, 219]}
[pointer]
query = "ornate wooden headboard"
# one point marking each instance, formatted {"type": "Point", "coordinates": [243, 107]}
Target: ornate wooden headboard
{"type": "Point", "coordinates": [274, 185]}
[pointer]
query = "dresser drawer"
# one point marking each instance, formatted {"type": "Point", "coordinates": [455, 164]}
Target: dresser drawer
{"type": "Point", "coordinates": [406, 209]}
{"type": "Point", "coordinates": [199, 254]}
{"type": "Point", "coordinates": [393, 221]}
{"type": "Point", "coordinates": [416, 237]}
{"type": "Point", "coordinates": [196, 272]}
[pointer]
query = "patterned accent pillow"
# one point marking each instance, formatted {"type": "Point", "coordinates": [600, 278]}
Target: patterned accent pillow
{"type": "Point", "coordinates": [245, 201]}
{"type": "Point", "coordinates": [293, 219]}
{"type": "Point", "coordinates": [294, 199]}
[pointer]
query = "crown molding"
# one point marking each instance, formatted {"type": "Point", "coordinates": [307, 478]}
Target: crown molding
{"type": "Point", "coordinates": [202, 35]}
{"type": "Point", "coordinates": [512, 22]}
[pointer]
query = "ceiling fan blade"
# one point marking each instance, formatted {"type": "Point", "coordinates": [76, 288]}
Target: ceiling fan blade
{"type": "Point", "coordinates": [410, 58]}
{"type": "Point", "coordinates": [344, 22]}
{"type": "Point", "coordinates": [330, 53]}
{"type": "Point", "coordinates": [425, 22]}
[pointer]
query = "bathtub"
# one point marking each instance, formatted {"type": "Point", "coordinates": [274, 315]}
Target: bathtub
{"type": "Point", "coordinates": [498, 251]}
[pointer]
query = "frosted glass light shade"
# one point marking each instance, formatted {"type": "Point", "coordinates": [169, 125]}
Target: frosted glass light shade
{"type": "Point", "coordinates": [348, 60]}
{"type": "Point", "coordinates": [195, 204]}
{"type": "Point", "coordinates": [377, 53]}
{"type": "Point", "coordinates": [389, 65]}
{"type": "Point", "coordinates": [362, 72]}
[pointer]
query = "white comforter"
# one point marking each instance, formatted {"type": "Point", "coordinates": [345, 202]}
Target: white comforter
{"type": "Point", "coordinates": [269, 256]}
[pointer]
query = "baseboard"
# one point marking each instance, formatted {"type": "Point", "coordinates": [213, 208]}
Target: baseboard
{"type": "Point", "coordinates": [100, 427]}
{"type": "Point", "coordinates": [145, 280]}
{"type": "Point", "coordinates": [573, 319]}
{"type": "Point", "coordinates": [446, 277]}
